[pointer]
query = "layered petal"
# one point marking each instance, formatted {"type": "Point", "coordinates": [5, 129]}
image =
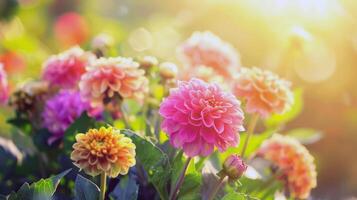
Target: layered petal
{"type": "Point", "coordinates": [103, 150]}
{"type": "Point", "coordinates": [199, 117]}
{"type": "Point", "coordinates": [264, 92]}
{"type": "Point", "coordinates": [294, 162]}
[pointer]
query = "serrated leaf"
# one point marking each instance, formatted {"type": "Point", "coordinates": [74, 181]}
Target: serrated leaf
{"type": "Point", "coordinates": [40, 190]}
{"type": "Point", "coordinates": [126, 189]}
{"type": "Point", "coordinates": [305, 135]}
{"type": "Point", "coordinates": [45, 188]}
{"type": "Point", "coordinates": [85, 189]}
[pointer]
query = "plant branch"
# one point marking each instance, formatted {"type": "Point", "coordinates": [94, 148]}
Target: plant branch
{"type": "Point", "coordinates": [175, 191]}
{"type": "Point", "coordinates": [250, 131]}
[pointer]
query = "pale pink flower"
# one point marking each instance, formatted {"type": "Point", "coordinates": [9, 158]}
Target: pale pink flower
{"type": "Point", "coordinates": [205, 48]}
{"type": "Point", "coordinates": [4, 87]}
{"type": "Point", "coordinates": [199, 116]}
{"type": "Point", "coordinates": [264, 92]}
{"type": "Point", "coordinates": [65, 69]}
{"type": "Point", "coordinates": [106, 77]}
{"type": "Point", "coordinates": [294, 163]}
{"type": "Point", "coordinates": [206, 74]}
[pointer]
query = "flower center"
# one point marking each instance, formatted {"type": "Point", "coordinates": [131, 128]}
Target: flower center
{"type": "Point", "coordinates": [213, 102]}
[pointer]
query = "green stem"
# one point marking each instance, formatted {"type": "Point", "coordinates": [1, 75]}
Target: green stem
{"type": "Point", "coordinates": [216, 188]}
{"type": "Point", "coordinates": [125, 120]}
{"type": "Point", "coordinates": [175, 191]}
{"type": "Point", "coordinates": [250, 131]}
{"type": "Point", "coordinates": [103, 185]}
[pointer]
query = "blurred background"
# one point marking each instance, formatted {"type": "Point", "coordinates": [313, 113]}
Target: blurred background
{"type": "Point", "coordinates": [311, 43]}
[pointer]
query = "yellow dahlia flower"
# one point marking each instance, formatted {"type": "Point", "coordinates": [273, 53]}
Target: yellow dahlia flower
{"type": "Point", "coordinates": [103, 150]}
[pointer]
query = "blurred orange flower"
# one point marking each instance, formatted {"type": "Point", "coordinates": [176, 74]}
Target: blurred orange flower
{"type": "Point", "coordinates": [13, 62]}
{"type": "Point", "coordinates": [294, 162]}
{"type": "Point", "coordinates": [263, 90]}
{"type": "Point", "coordinates": [103, 151]}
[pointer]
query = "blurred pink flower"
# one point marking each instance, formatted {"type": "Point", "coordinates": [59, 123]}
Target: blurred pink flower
{"type": "Point", "coordinates": [109, 76]}
{"type": "Point", "coordinates": [71, 29]}
{"type": "Point", "coordinates": [264, 91]}
{"type": "Point", "coordinates": [295, 164]}
{"type": "Point", "coordinates": [205, 48]}
{"type": "Point", "coordinates": [199, 116]}
{"type": "Point", "coordinates": [65, 69]}
{"type": "Point", "coordinates": [206, 74]}
{"type": "Point", "coordinates": [4, 87]}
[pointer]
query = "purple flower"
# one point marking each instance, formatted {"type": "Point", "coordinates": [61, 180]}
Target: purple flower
{"type": "Point", "coordinates": [61, 111]}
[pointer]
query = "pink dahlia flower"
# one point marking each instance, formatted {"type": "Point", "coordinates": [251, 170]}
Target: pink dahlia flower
{"type": "Point", "coordinates": [65, 69]}
{"type": "Point", "coordinates": [62, 110]}
{"type": "Point", "coordinates": [199, 116]}
{"type": "Point", "coordinates": [264, 91]}
{"type": "Point", "coordinates": [109, 76]}
{"type": "Point", "coordinates": [205, 48]}
{"type": "Point", "coordinates": [71, 29]}
{"type": "Point", "coordinates": [293, 162]}
{"type": "Point", "coordinates": [4, 88]}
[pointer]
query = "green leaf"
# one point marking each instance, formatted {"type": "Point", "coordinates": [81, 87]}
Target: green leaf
{"type": "Point", "coordinates": [254, 143]}
{"type": "Point", "coordinates": [21, 123]}
{"type": "Point", "coordinates": [80, 125]}
{"type": "Point", "coordinates": [305, 135]}
{"type": "Point", "coordinates": [153, 160]}
{"type": "Point", "coordinates": [45, 188]}
{"type": "Point", "coordinates": [191, 186]}
{"type": "Point", "coordinates": [126, 189]}
{"type": "Point", "coordinates": [41, 190]}
{"type": "Point", "coordinates": [234, 196]}
{"type": "Point", "coordinates": [85, 189]}
{"type": "Point", "coordinates": [24, 193]}
{"type": "Point", "coordinates": [190, 189]}
{"type": "Point", "coordinates": [278, 119]}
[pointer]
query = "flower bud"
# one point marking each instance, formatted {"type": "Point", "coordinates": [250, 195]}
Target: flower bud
{"type": "Point", "coordinates": [234, 167]}
{"type": "Point", "coordinates": [102, 41]}
{"type": "Point", "coordinates": [168, 70]}
{"type": "Point", "coordinates": [148, 61]}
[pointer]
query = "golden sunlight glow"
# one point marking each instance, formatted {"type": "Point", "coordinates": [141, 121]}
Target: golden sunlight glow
{"type": "Point", "coordinates": [298, 9]}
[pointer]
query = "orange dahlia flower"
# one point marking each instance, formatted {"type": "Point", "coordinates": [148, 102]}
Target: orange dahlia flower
{"type": "Point", "coordinates": [293, 161]}
{"type": "Point", "coordinates": [264, 92]}
{"type": "Point", "coordinates": [106, 77]}
{"type": "Point", "coordinates": [103, 150]}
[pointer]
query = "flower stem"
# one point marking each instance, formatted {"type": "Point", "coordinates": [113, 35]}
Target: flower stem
{"type": "Point", "coordinates": [175, 191]}
{"type": "Point", "coordinates": [103, 185]}
{"type": "Point", "coordinates": [216, 188]}
{"type": "Point", "coordinates": [124, 118]}
{"type": "Point", "coordinates": [250, 131]}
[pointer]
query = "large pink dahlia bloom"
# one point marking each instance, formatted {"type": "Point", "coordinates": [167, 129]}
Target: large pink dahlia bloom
{"type": "Point", "coordinates": [263, 90]}
{"type": "Point", "coordinates": [106, 77]}
{"type": "Point", "coordinates": [65, 69]}
{"type": "Point", "coordinates": [205, 48]}
{"type": "Point", "coordinates": [4, 88]}
{"type": "Point", "coordinates": [199, 116]}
